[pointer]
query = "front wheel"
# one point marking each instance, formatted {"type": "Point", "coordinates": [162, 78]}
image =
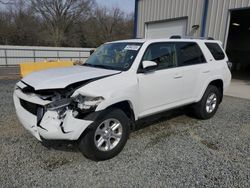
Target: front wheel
{"type": "Point", "coordinates": [107, 135]}
{"type": "Point", "coordinates": [209, 103]}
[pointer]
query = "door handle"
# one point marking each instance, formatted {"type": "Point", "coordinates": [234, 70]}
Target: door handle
{"type": "Point", "coordinates": [206, 71]}
{"type": "Point", "coordinates": [177, 76]}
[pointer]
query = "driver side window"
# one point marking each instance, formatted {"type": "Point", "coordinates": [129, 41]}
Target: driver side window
{"type": "Point", "coordinates": [164, 54]}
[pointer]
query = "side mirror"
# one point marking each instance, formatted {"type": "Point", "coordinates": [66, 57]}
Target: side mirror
{"type": "Point", "coordinates": [91, 52]}
{"type": "Point", "coordinates": [149, 65]}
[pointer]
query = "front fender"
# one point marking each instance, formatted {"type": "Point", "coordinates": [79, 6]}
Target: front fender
{"type": "Point", "coordinates": [114, 100]}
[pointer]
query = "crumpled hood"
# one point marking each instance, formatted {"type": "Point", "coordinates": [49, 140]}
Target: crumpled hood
{"type": "Point", "coordinates": [59, 78]}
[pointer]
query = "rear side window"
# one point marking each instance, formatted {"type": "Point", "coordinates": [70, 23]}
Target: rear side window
{"type": "Point", "coordinates": [190, 54]}
{"type": "Point", "coordinates": [215, 50]}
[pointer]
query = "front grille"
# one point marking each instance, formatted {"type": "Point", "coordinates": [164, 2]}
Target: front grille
{"type": "Point", "coordinates": [30, 107]}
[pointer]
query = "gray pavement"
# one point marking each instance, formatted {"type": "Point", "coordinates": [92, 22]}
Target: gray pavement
{"type": "Point", "coordinates": [239, 88]}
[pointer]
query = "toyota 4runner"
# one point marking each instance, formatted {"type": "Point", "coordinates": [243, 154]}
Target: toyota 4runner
{"type": "Point", "coordinates": [121, 82]}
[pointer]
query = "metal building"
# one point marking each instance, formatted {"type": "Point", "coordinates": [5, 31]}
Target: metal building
{"type": "Point", "coordinates": [225, 20]}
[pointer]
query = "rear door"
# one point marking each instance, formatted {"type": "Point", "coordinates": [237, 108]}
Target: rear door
{"type": "Point", "coordinates": [194, 68]}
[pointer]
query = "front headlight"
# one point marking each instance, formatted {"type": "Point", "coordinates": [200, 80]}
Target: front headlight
{"type": "Point", "coordinates": [80, 105]}
{"type": "Point", "coordinates": [87, 103]}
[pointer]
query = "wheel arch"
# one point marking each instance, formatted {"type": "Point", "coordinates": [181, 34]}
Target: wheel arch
{"type": "Point", "coordinates": [126, 107]}
{"type": "Point", "coordinates": [217, 82]}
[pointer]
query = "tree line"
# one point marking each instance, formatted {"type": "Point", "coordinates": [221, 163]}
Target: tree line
{"type": "Point", "coordinates": [67, 23]}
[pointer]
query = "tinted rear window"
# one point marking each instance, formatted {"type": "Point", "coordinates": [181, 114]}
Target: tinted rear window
{"type": "Point", "coordinates": [216, 51]}
{"type": "Point", "coordinates": [190, 54]}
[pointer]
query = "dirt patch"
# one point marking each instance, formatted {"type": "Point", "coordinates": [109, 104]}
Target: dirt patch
{"type": "Point", "coordinates": [159, 137]}
{"type": "Point", "coordinates": [206, 143]}
{"type": "Point", "coordinates": [53, 163]}
{"type": "Point", "coordinates": [245, 130]}
{"type": "Point", "coordinates": [210, 145]}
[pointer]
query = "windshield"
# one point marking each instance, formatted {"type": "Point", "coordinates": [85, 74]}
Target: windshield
{"type": "Point", "coordinates": [117, 56]}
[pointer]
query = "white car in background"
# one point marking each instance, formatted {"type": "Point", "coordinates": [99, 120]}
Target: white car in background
{"type": "Point", "coordinates": [123, 81]}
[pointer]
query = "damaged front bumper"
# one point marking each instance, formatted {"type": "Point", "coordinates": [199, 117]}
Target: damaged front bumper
{"type": "Point", "coordinates": [48, 126]}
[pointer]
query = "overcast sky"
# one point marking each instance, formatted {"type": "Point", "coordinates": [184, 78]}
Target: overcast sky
{"type": "Point", "coordinates": [125, 5]}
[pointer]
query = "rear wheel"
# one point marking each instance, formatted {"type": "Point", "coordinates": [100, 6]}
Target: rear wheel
{"type": "Point", "coordinates": [208, 105]}
{"type": "Point", "coordinates": [107, 135]}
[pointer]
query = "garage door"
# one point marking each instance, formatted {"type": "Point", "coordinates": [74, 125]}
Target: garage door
{"type": "Point", "coordinates": [166, 29]}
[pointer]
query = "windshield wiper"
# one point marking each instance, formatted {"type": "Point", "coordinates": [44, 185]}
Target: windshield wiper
{"type": "Point", "coordinates": [99, 66]}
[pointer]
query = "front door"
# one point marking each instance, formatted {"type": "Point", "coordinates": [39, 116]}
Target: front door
{"type": "Point", "coordinates": [162, 86]}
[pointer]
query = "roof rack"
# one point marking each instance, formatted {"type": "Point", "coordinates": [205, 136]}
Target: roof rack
{"type": "Point", "coordinates": [175, 37]}
{"type": "Point", "coordinates": [190, 37]}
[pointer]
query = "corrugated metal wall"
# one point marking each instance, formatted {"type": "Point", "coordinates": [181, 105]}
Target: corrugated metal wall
{"type": "Point", "coordinates": [152, 10]}
{"type": "Point", "coordinates": [219, 15]}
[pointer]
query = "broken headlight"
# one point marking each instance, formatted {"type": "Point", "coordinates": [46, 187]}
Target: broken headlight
{"type": "Point", "coordinates": [80, 105]}
{"type": "Point", "coordinates": [58, 104]}
{"type": "Point", "coordinates": [61, 106]}
{"type": "Point", "coordinates": [85, 104]}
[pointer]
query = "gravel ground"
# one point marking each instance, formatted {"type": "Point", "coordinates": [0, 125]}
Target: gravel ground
{"type": "Point", "coordinates": [172, 150]}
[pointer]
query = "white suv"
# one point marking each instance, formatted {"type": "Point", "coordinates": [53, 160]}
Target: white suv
{"type": "Point", "coordinates": [123, 81]}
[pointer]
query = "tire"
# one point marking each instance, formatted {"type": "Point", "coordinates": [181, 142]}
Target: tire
{"type": "Point", "coordinates": [110, 131]}
{"type": "Point", "coordinates": [205, 110]}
